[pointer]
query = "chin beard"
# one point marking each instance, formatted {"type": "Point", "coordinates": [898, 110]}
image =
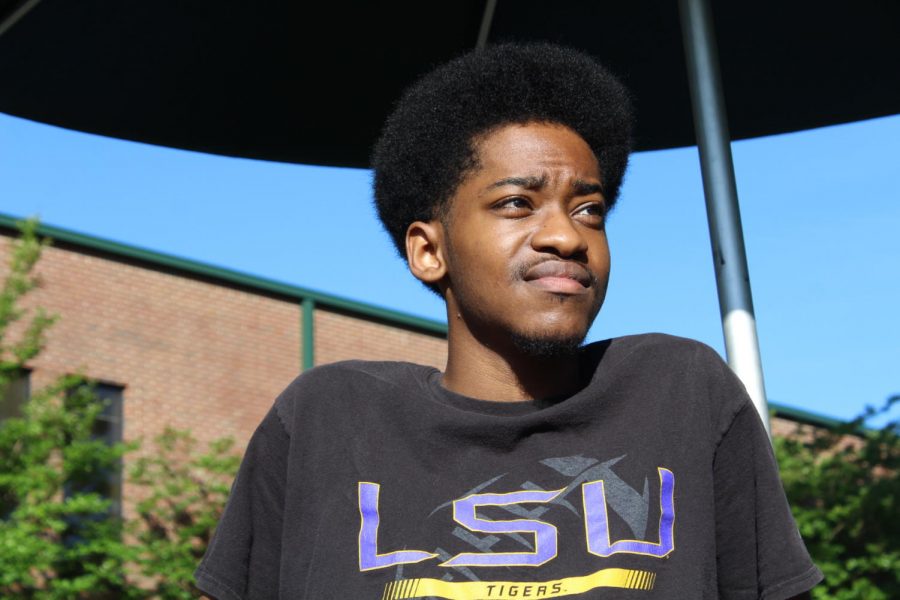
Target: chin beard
{"type": "Point", "coordinates": [546, 346]}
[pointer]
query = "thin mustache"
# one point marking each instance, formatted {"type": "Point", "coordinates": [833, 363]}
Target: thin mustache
{"type": "Point", "coordinates": [521, 270]}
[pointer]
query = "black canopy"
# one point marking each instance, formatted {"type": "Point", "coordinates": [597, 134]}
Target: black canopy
{"type": "Point", "coordinates": [311, 82]}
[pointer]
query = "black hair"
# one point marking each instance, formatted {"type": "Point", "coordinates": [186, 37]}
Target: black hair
{"type": "Point", "coordinates": [427, 144]}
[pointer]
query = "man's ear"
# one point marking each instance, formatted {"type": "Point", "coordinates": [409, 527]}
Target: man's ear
{"type": "Point", "coordinates": [425, 251]}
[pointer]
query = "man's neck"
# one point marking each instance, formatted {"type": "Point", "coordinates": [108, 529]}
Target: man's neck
{"type": "Point", "coordinates": [498, 372]}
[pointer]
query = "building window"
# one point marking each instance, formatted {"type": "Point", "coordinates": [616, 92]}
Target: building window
{"type": "Point", "coordinates": [14, 394]}
{"type": "Point", "coordinates": [108, 427]}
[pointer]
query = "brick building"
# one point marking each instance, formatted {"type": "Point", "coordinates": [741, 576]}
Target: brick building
{"type": "Point", "coordinates": [176, 342]}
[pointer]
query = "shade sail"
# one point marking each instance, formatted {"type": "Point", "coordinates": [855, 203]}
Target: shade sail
{"type": "Point", "coordinates": [312, 82]}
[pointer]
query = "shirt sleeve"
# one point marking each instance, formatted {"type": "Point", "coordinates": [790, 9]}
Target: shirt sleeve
{"type": "Point", "coordinates": [244, 556]}
{"type": "Point", "coordinates": [759, 552]}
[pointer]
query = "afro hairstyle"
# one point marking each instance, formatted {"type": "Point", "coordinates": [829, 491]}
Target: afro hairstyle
{"type": "Point", "coordinates": [428, 144]}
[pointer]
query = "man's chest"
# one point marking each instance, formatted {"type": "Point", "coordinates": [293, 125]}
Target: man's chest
{"type": "Point", "coordinates": [576, 522]}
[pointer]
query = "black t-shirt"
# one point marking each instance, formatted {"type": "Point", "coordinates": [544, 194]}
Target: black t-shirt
{"type": "Point", "coordinates": [369, 480]}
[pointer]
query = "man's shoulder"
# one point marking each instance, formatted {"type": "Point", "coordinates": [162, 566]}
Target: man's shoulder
{"type": "Point", "coordinates": [657, 347]}
{"type": "Point", "coordinates": [665, 359]}
{"type": "Point", "coordinates": [347, 374]}
{"type": "Point", "coordinates": [341, 372]}
{"type": "Point", "coordinates": [674, 374]}
{"type": "Point", "coordinates": [333, 384]}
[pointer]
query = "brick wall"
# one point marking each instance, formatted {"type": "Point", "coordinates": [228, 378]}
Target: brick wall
{"type": "Point", "coordinates": [190, 354]}
{"type": "Point", "coordinates": [341, 337]}
{"type": "Point", "coordinates": [782, 427]}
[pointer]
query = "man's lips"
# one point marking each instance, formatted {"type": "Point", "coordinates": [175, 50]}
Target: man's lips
{"type": "Point", "coordinates": [560, 276]}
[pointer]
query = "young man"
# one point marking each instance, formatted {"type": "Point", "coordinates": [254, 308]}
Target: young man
{"type": "Point", "coordinates": [531, 467]}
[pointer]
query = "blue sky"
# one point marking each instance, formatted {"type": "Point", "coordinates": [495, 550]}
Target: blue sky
{"type": "Point", "coordinates": [821, 214]}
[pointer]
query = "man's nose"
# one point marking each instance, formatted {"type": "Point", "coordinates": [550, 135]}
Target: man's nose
{"type": "Point", "coordinates": [558, 233]}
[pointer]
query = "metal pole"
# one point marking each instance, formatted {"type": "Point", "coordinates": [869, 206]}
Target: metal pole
{"type": "Point", "coordinates": [713, 142]}
{"type": "Point", "coordinates": [487, 17]}
{"type": "Point", "coordinates": [17, 14]}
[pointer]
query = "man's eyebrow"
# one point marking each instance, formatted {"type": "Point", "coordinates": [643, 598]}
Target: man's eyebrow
{"type": "Point", "coordinates": [579, 186]}
{"type": "Point", "coordinates": [529, 182]}
{"type": "Point", "coordinates": [586, 188]}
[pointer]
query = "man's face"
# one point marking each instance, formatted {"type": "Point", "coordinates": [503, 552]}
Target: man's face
{"type": "Point", "coordinates": [525, 244]}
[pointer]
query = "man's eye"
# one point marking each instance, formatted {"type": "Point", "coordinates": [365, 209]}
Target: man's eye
{"type": "Point", "coordinates": [592, 213]}
{"type": "Point", "coordinates": [515, 203]}
{"type": "Point", "coordinates": [594, 208]}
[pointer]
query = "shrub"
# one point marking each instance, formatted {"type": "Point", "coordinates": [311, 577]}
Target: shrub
{"type": "Point", "coordinates": [845, 494]}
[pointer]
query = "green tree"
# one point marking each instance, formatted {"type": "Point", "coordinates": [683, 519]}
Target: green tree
{"type": "Point", "coordinates": [844, 491]}
{"type": "Point", "coordinates": [56, 540]}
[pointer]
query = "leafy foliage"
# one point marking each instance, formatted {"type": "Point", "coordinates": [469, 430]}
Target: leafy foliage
{"type": "Point", "coordinates": [187, 493]}
{"type": "Point", "coordinates": [58, 539]}
{"type": "Point", "coordinates": [844, 490]}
